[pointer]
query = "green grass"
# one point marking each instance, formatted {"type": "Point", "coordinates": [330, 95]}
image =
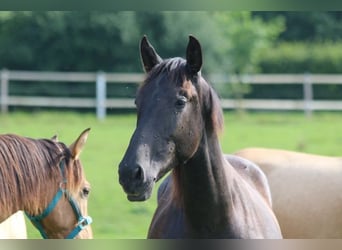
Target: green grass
{"type": "Point", "coordinates": [116, 218]}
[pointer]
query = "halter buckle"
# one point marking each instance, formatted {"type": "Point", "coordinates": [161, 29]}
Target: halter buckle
{"type": "Point", "coordinates": [63, 185]}
{"type": "Point", "coordinates": [84, 221]}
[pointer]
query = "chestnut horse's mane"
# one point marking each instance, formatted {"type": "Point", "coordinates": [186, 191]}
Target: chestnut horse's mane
{"type": "Point", "coordinates": [29, 167]}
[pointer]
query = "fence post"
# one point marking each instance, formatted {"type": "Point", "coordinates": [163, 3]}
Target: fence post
{"type": "Point", "coordinates": [308, 94]}
{"type": "Point", "coordinates": [101, 95]}
{"type": "Point", "coordinates": [4, 91]}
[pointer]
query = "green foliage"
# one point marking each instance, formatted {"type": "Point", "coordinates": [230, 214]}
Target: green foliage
{"type": "Point", "coordinates": [109, 41]}
{"type": "Point", "coordinates": [246, 39]}
{"type": "Point", "coordinates": [68, 41]}
{"type": "Point", "coordinates": [308, 26]}
{"type": "Point", "coordinates": [302, 57]}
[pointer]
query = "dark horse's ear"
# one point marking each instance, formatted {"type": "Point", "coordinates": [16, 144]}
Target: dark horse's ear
{"type": "Point", "coordinates": [194, 55]}
{"type": "Point", "coordinates": [54, 138]}
{"type": "Point", "coordinates": [149, 56]}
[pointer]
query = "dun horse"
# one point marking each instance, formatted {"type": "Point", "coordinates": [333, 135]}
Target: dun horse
{"type": "Point", "coordinates": [178, 121]}
{"type": "Point", "coordinates": [306, 191]}
{"type": "Point", "coordinates": [45, 179]}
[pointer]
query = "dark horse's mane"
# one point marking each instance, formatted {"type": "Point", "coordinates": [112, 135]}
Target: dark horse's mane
{"type": "Point", "coordinates": [28, 167]}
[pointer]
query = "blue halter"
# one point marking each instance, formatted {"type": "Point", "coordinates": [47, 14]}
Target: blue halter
{"type": "Point", "coordinates": [82, 221]}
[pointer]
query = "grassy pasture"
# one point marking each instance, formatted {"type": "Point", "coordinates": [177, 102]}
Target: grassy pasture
{"type": "Point", "coordinates": [116, 218]}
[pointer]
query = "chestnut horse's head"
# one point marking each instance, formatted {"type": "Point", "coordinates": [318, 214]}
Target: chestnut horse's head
{"type": "Point", "coordinates": [65, 215]}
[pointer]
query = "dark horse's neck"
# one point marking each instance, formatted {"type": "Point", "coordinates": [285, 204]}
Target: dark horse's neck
{"type": "Point", "coordinates": [204, 188]}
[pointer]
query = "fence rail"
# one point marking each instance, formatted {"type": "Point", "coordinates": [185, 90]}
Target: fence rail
{"type": "Point", "coordinates": [102, 79]}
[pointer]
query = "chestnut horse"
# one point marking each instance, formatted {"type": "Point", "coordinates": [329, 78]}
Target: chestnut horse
{"type": "Point", "coordinates": [45, 178]}
{"type": "Point", "coordinates": [178, 121]}
{"type": "Point", "coordinates": [306, 191]}
{"type": "Point", "coordinates": [14, 227]}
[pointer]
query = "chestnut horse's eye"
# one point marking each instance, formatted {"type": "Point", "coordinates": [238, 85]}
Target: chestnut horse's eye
{"type": "Point", "coordinates": [180, 102]}
{"type": "Point", "coordinates": [85, 192]}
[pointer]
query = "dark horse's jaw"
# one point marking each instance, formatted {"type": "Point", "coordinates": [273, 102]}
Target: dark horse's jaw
{"type": "Point", "coordinates": [142, 195]}
{"type": "Point", "coordinates": [138, 197]}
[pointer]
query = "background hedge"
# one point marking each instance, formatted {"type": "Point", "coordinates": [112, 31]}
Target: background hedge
{"type": "Point", "coordinates": [299, 57]}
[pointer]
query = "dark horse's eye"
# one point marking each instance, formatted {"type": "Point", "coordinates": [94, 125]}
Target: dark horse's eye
{"type": "Point", "coordinates": [180, 102]}
{"type": "Point", "coordinates": [85, 192]}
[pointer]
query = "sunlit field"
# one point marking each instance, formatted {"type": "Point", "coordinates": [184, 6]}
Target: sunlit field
{"type": "Point", "coordinates": [114, 217]}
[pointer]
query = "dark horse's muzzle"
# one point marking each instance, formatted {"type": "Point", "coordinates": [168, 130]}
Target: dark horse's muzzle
{"type": "Point", "coordinates": [132, 178]}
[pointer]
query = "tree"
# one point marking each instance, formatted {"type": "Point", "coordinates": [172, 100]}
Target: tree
{"type": "Point", "coordinates": [308, 26]}
{"type": "Point", "coordinates": [109, 41]}
{"type": "Point", "coordinates": [246, 40]}
{"type": "Point", "coordinates": [69, 41]}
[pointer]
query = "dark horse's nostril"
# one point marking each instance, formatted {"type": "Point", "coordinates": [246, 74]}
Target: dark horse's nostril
{"type": "Point", "coordinates": [138, 173]}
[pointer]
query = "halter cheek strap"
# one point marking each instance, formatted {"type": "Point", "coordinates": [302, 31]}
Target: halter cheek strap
{"type": "Point", "coordinates": [36, 220]}
{"type": "Point", "coordinates": [82, 221]}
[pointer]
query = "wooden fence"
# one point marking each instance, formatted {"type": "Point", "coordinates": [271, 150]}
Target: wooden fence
{"type": "Point", "coordinates": [101, 79]}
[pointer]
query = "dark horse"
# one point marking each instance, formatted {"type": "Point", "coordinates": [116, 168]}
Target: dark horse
{"type": "Point", "coordinates": [45, 178]}
{"type": "Point", "coordinates": [178, 121]}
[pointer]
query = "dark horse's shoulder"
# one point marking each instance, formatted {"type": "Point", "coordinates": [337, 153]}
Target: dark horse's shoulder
{"type": "Point", "coordinates": [252, 173]}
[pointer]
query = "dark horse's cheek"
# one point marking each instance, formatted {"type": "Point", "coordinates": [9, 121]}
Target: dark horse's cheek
{"type": "Point", "coordinates": [185, 150]}
{"type": "Point", "coordinates": [169, 160]}
{"type": "Point", "coordinates": [187, 139]}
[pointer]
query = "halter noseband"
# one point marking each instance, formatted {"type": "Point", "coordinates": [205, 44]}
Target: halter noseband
{"type": "Point", "coordinates": [82, 221]}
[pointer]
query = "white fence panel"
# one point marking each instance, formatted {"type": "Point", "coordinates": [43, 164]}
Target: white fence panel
{"type": "Point", "coordinates": [102, 79]}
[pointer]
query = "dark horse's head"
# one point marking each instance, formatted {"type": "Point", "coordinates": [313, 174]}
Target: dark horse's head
{"type": "Point", "coordinates": [174, 105]}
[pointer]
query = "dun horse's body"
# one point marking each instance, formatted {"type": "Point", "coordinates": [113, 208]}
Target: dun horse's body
{"type": "Point", "coordinates": [14, 227]}
{"type": "Point", "coordinates": [45, 179]}
{"type": "Point", "coordinates": [306, 191]}
{"type": "Point", "coordinates": [179, 118]}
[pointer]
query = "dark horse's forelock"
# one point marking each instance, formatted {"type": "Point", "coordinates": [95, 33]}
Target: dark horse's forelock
{"type": "Point", "coordinates": [175, 71]}
{"type": "Point", "coordinates": [29, 167]}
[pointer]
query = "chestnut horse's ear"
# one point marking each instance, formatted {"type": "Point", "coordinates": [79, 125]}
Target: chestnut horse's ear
{"type": "Point", "coordinates": [194, 55]}
{"type": "Point", "coordinates": [149, 56]}
{"type": "Point", "coordinates": [76, 147]}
